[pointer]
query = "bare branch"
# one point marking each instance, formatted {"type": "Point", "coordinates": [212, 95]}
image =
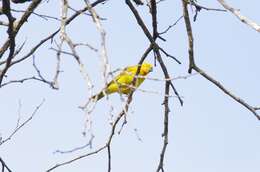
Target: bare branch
{"type": "Point", "coordinates": [43, 16]}
{"type": "Point", "coordinates": [113, 126]}
{"type": "Point", "coordinates": [19, 127]}
{"type": "Point", "coordinates": [11, 37]}
{"type": "Point", "coordinates": [88, 144]}
{"type": "Point", "coordinates": [108, 143]}
{"type": "Point", "coordinates": [4, 166]}
{"type": "Point", "coordinates": [203, 73]}
{"type": "Point", "coordinates": [226, 91]}
{"type": "Point", "coordinates": [109, 157]}
{"type": "Point", "coordinates": [190, 35]}
{"type": "Point", "coordinates": [163, 67]}
{"type": "Point", "coordinates": [17, 26]}
{"type": "Point", "coordinates": [41, 78]}
{"type": "Point", "coordinates": [242, 18]}
{"type": "Point", "coordinates": [20, 81]}
{"type": "Point", "coordinates": [154, 45]}
{"type": "Point", "coordinates": [51, 36]}
{"type": "Point", "coordinates": [166, 125]}
{"type": "Point", "coordinates": [172, 25]}
{"type": "Point", "coordinates": [199, 7]}
{"type": "Point", "coordinates": [256, 108]}
{"type": "Point", "coordinates": [75, 159]}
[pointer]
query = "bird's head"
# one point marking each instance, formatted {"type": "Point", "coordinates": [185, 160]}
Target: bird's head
{"type": "Point", "coordinates": [146, 68]}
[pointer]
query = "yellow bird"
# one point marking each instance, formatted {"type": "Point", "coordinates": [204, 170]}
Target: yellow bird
{"type": "Point", "coordinates": [122, 83]}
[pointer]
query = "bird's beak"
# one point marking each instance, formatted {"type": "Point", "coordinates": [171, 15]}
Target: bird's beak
{"type": "Point", "coordinates": [151, 70]}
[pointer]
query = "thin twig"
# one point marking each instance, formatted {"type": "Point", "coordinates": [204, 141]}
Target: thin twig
{"type": "Point", "coordinates": [88, 144]}
{"type": "Point", "coordinates": [170, 26]}
{"type": "Point", "coordinates": [75, 159]}
{"type": "Point", "coordinates": [18, 128]}
{"type": "Point", "coordinates": [41, 78]}
{"type": "Point", "coordinates": [199, 7]}
{"type": "Point", "coordinates": [45, 17]}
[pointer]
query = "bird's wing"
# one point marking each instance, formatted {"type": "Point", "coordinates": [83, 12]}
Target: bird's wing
{"type": "Point", "coordinates": [121, 78]}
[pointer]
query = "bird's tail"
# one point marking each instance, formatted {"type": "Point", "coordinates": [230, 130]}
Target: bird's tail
{"type": "Point", "coordinates": [98, 96]}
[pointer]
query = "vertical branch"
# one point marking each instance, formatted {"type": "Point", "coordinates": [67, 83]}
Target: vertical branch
{"type": "Point", "coordinates": [167, 88]}
{"type": "Point", "coordinates": [168, 83]}
{"type": "Point", "coordinates": [166, 111]}
{"type": "Point", "coordinates": [154, 18]}
{"type": "Point", "coordinates": [190, 35]}
{"type": "Point", "coordinates": [104, 57]}
{"type": "Point", "coordinates": [109, 157]}
{"type": "Point", "coordinates": [166, 124]}
{"type": "Point", "coordinates": [64, 12]}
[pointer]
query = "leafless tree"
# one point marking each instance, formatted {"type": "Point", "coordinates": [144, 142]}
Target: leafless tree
{"type": "Point", "coordinates": [12, 54]}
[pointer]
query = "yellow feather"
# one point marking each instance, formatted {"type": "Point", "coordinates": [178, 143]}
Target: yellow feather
{"type": "Point", "coordinates": [121, 83]}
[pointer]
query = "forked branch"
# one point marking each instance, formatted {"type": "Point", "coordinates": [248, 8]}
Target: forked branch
{"type": "Point", "coordinates": [193, 66]}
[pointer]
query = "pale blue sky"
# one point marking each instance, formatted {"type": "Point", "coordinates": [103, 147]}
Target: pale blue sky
{"type": "Point", "coordinates": [210, 133]}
